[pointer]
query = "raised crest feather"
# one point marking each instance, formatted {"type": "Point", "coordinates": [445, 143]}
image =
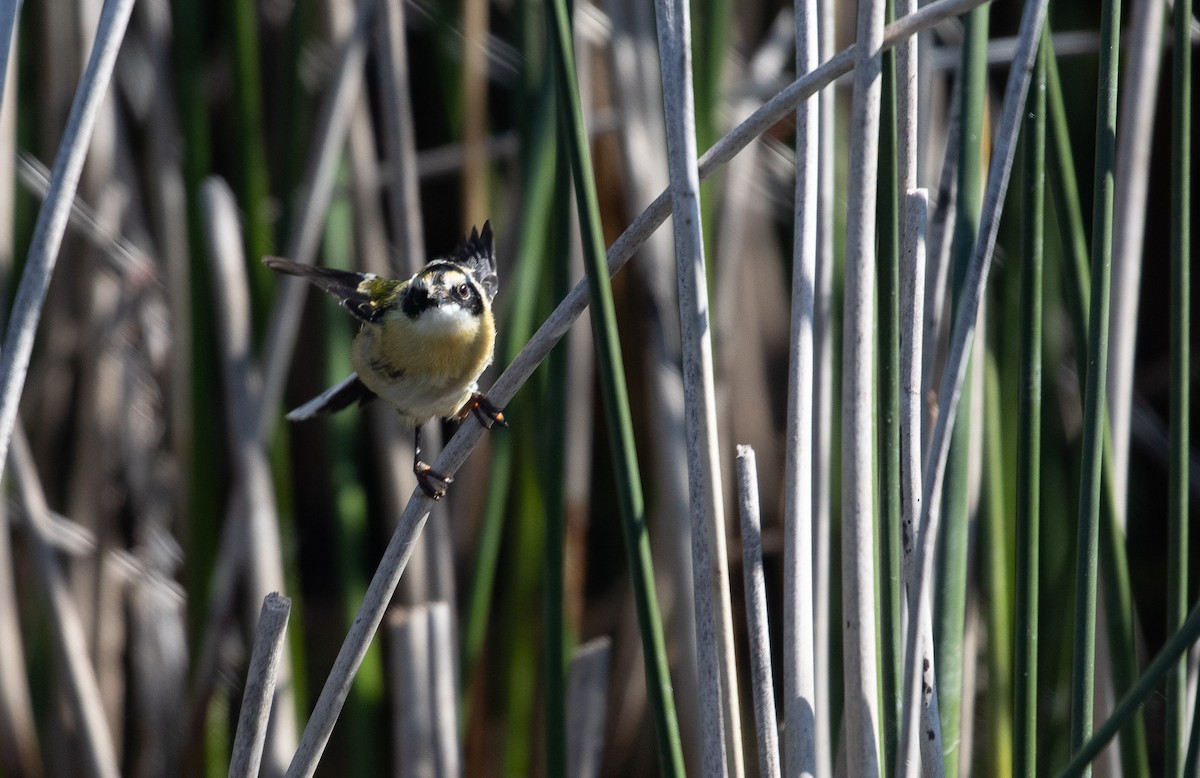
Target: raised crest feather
{"type": "Point", "coordinates": [478, 254]}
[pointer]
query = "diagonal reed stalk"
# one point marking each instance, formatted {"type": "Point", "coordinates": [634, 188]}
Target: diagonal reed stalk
{"type": "Point", "coordinates": [470, 433]}
{"type": "Point", "coordinates": [52, 218]}
{"type": "Point", "coordinates": [963, 331]}
{"type": "Point", "coordinates": [10, 14]}
{"type": "Point", "coordinates": [329, 138]}
{"type": "Point", "coordinates": [71, 640]}
{"type": "Point", "coordinates": [1172, 652]}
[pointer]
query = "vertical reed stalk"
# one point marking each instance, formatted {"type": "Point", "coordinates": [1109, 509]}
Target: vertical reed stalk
{"type": "Point", "coordinates": [556, 632]}
{"type": "Point", "coordinates": [19, 751]}
{"type": "Point", "coordinates": [798, 672]}
{"type": "Point", "coordinates": [254, 534]}
{"type": "Point", "coordinates": [1177, 544]}
{"type": "Point", "coordinates": [538, 174]}
{"type": "Point", "coordinates": [1084, 641]}
{"type": "Point", "coordinates": [858, 355]}
{"type": "Point", "coordinates": [920, 744]}
{"type": "Point", "coordinates": [762, 686]}
{"type": "Point", "coordinates": [888, 424]}
{"type": "Point", "coordinates": [253, 188]}
{"type": "Point", "coordinates": [1032, 18]}
{"type": "Point", "coordinates": [1118, 598]}
{"type": "Point", "coordinates": [720, 719]}
{"type": "Point", "coordinates": [1029, 428]}
{"type": "Point", "coordinates": [823, 411]}
{"type": "Point", "coordinates": [1064, 192]}
{"type": "Point", "coordinates": [269, 641]}
{"type": "Point", "coordinates": [616, 401]}
{"type": "Point", "coordinates": [1192, 760]}
{"type": "Point", "coordinates": [474, 106]}
{"type": "Point", "coordinates": [995, 557]}
{"type": "Point", "coordinates": [587, 700]}
{"type": "Point", "coordinates": [1136, 120]}
{"type": "Point", "coordinates": [329, 138]}
{"type": "Point", "coordinates": [912, 220]}
{"type": "Point", "coordinates": [952, 559]}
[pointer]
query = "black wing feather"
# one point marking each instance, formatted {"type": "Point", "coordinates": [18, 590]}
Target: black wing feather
{"type": "Point", "coordinates": [343, 285]}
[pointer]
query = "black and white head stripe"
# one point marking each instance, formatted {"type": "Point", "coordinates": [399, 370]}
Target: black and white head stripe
{"type": "Point", "coordinates": [478, 255]}
{"type": "Point", "coordinates": [442, 282]}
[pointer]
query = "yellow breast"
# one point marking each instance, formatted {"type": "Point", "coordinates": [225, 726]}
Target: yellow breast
{"type": "Point", "coordinates": [428, 366]}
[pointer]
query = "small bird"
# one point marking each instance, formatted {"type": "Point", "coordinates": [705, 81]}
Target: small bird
{"type": "Point", "coordinates": [423, 342]}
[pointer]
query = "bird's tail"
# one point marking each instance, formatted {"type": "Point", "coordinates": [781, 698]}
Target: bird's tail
{"type": "Point", "coordinates": [341, 395]}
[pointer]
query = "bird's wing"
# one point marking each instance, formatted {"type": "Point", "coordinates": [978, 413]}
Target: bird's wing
{"type": "Point", "coordinates": [478, 254]}
{"type": "Point", "coordinates": [350, 289]}
{"type": "Point", "coordinates": [341, 395]}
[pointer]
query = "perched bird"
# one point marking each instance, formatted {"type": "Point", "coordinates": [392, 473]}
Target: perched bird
{"type": "Point", "coordinates": [423, 343]}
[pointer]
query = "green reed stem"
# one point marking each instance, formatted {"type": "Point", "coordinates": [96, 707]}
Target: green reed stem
{"type": "Point", "coordinates": [254, 187]}
{"type": "Point", "coordinates": [538, 176]}
{"type": "Point", "coordinates": [952, 564]}
{"type": "Point", "coordinates": [888, 281]}
{"type": "Point", "coordinates": [1084, 641]}
{"type": "Point", "coordinates": [556, 637]}
{"type": "Point", "coordinates": [1177, 516]}
{"type": "Point", "coordinates": [995, 556]}
{"type": "Point", "coordinates": [1029, 427]}
{"type": "Point", "coordinates": [1155, 674]}
{"type": "Point", "coordinates": [1076, 285]}
{"type": "Point", "coordinates": [616, 397]}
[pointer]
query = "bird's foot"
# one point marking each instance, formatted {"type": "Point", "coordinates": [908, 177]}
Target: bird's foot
{"type": "Point", "coordinates": [431, 481]}
{"type": "Point", "coordinates": [487, 413]}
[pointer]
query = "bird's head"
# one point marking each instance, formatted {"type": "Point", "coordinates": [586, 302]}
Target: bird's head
{"type": "Point", "coordinates": [444, 294]}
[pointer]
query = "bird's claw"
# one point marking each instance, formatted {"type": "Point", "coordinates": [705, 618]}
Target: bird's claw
{"type": "Point", "coordinates": [487, 413]}
{"type": "Point", "coordinates": [429, 479]}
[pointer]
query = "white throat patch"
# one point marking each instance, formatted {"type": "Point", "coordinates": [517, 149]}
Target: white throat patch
{"type": "Point", "coordinates": [445, 320]}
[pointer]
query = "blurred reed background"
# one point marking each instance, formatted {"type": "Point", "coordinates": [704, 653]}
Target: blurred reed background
{"type": "Point", "coordinates": [576, 605]}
